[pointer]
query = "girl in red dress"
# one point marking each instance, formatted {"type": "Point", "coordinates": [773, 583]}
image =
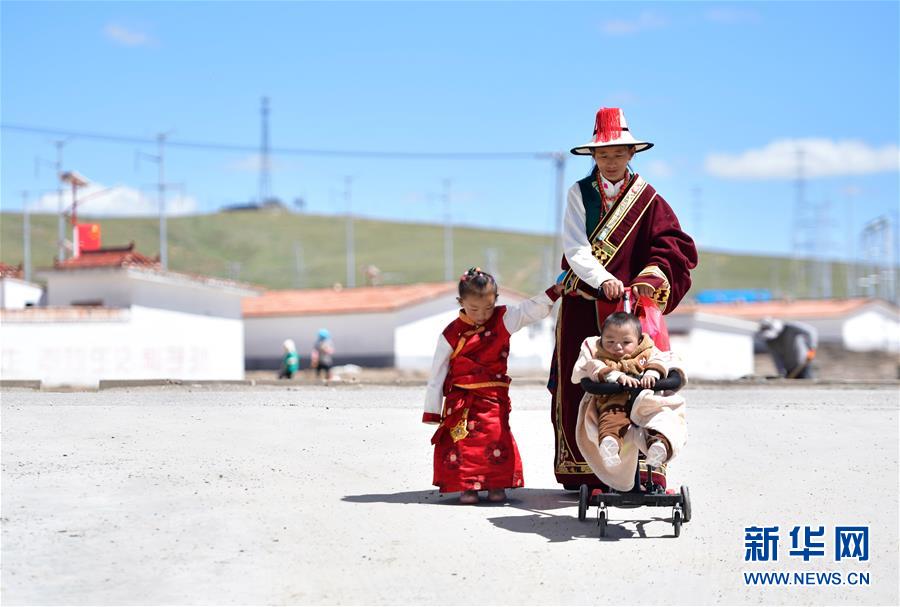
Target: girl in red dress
{"type": "Point", "coordinates": [468, 392]}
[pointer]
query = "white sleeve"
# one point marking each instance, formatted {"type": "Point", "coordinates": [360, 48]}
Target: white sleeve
{"type": "Point", "coordinates": [587, 366]}
{"type": "Point", "coordinates": [613, 376]}
{"type": "Point", "coordinates": [527, 312]}
{"type": "Point", "coordinates": [575, 243]}
{"type": "Point", "coordinates": [434, 392]}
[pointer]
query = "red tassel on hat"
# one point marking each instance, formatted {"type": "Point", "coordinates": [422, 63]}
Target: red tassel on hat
{"type": "Point", "coordinates": [607, 126]}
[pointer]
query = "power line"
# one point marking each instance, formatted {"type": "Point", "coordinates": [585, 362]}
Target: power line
{"type": "Point", "coordinates": [227, 147]}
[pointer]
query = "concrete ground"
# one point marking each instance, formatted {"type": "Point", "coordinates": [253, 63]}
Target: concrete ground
{"type": "Point", "coordinates": [321, 495]}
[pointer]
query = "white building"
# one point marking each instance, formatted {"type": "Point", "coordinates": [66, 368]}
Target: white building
{"type": "Point", "coordinates": [711, 346]}
{"type": "Point", "coordinates": [859, 325]}
{"type": "Point", "coordinates": [15, 292]}
{"type": "Point", "coordinates": [387, 326]}
{"type": "Point", "coordinates": [398, 326]}
{"type": "Point", "coordinates": [114, 314]}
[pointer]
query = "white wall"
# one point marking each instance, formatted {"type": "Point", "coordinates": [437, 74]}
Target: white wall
{"type": "Point", "coordinates": [405, 337]}
{"type": "Point", "coordinates": [123, 287]}
{"type": "Point", "coordinates": [872, 330]}
{"type": "Point", "coordinates": [353, 334]}
{"type": "Point", "coordinates": [415, 341]}
{"type": "Point", "coordinates": [710, 354]}
{"type": "Point", "coordinates": [66, 287]}
{"type": "Point", "coordinates": [15, 293]}
{"type": "Point", "coordinates": [829, 330]}
{"type": "Point", "coordinates": [530, 348]}
{"type": "Point", "coordinates": [135, 343]}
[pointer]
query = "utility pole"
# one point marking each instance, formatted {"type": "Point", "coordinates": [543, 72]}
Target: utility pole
{"type": "Point", "coordinates": [824, 246]}
{"type": "Point", "coordinates": [298, 263]}
{"type": "Point", "coordinates": [698, 213]}
{"type": "Point", "coordinates": [60, 203]}
{"type": "Point", "coordinates": [448, 234]}
{"type": "Point", "coordinates": [799, 224]}
{"type": "Point", "coordinates": [559, 160]}
{"type": "Point", "coordinates": [351, 255]}
{"type": "Point", "coordinates": [26, 237]}
{"type": "Point", "coordinates": [265, 180]}
{"type": "Point", "coordinates": [163, 231]}
{"type": "Point", "coordinates": [60, 221]}
{"type": "Point", "coordinates": [491, 259]}
{"type": "Point", "coordinates": [851, 249]}
{"type": "Point", "coordinates": [159, 159]}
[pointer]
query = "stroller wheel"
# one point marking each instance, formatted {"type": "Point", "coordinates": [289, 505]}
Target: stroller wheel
{"type": "Point", "coordinates": [584, 497]}
{"type": "Point", "coordinates": [686, 505]}
{"type": "Point", "coordinates": [601, 521]}
{"type": "Point", "coordinates": [676, 522]}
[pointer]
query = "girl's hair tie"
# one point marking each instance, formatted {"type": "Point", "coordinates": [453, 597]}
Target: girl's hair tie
{"type": "Point", "coordinates": [476, 280]}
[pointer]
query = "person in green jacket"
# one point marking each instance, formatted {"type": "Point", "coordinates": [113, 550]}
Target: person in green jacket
{"type": "Point", "coordinates": [290, 362]}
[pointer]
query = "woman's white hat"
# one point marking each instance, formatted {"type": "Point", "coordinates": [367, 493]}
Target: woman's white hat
{"type": "Point", "coordinates": [610, 128]}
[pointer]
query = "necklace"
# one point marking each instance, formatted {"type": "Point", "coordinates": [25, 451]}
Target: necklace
{"type": "Point", "coordinates": [604, 199]}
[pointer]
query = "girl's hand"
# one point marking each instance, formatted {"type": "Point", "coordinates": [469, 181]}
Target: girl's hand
{"type": "Point", "coordinates": [613, 289]}
{"type": "Point", "coordinates": [627, 380]}
{"type": "Point", "coordinates": [648, 381]}
{"type": "Point", "coordinates": [558, 288]}
{"type": "Point", "coordinates": [642, 290]}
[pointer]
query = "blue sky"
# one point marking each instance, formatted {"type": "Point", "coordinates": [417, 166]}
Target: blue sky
{"type": "Point", "coordinates": [727, 91]}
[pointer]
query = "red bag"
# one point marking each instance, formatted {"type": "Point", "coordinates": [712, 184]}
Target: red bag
{"type": "Point", "coordinates": [651, 318]}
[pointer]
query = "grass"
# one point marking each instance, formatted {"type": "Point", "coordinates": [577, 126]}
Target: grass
{"type": "Point", "coordinates": [281, 250]}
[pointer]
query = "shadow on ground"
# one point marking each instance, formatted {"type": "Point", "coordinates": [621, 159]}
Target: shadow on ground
{"type": "Point", "coordinates": [554, 514]}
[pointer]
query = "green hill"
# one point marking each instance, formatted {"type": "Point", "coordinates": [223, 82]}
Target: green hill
{"type": "Point", "coordinates": [289, 250]}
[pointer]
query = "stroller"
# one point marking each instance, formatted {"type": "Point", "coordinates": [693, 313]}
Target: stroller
{"type": "Point", "coordinates": [646, 492]}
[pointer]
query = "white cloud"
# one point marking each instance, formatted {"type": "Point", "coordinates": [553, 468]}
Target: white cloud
{"type": "Point", "coordinates": [117, 201]}
{"type": "Point", "coordinates": [820, 158]}
{"type": "Point", "coordinates": [732, 15]}
{"type": "Point", "coordinates": [647, 20]}
{"type": "Point", "coordinates": [125, 36]}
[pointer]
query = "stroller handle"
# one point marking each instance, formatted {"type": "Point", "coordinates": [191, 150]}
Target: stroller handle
{"type": "Point", "coordinates": [672, 382]}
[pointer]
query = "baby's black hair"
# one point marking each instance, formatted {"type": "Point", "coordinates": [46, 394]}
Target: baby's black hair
{"type": "Point", "coordinates": [623, 319]}
{"type": "Point", "coordinates": [476, 282]}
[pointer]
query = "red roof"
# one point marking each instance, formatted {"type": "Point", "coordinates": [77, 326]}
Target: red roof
{"type": "Point", "coordinates": [797, 309]}
{"type": "Point", "coordinates": [343, 301]}
{"type": "Point", "coordinates": [8, 271]}
{"type": "Point", "coordinates": [108, 257]}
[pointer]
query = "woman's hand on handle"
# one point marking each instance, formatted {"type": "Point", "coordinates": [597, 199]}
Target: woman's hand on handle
{"type": "Point", "coordinates": [642, 291]}
{"type": "Point", "coordinates": [613, 289]}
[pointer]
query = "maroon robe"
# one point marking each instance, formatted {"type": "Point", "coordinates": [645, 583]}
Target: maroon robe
{"type": "Point", "coordinates": [474, 448]}
{"type": "Point", "coordinates": [645, 246]}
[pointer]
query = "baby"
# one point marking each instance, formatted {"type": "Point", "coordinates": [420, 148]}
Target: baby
{"type": "Point", "coordinates": [623, 354]}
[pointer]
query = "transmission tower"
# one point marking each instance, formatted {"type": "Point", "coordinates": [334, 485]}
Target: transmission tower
{"type": "Point", "coordinates": [803, 227]}
{"type": "Point", "coordinates": [879, 264]}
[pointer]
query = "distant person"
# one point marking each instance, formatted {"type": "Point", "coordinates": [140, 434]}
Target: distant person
{"type": "Point", "coordinates": [468, 391]}
{"type": "Point", "coordinates": [792, 346]}
{"type": "Point", "coordinates": [373, 275]}
{"type": "Point", "coordinates": [617, 232]}
{"type": "Point", "coordinates": [290, 361]}
{"type": "Point", "coordinates": [323, 355]}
